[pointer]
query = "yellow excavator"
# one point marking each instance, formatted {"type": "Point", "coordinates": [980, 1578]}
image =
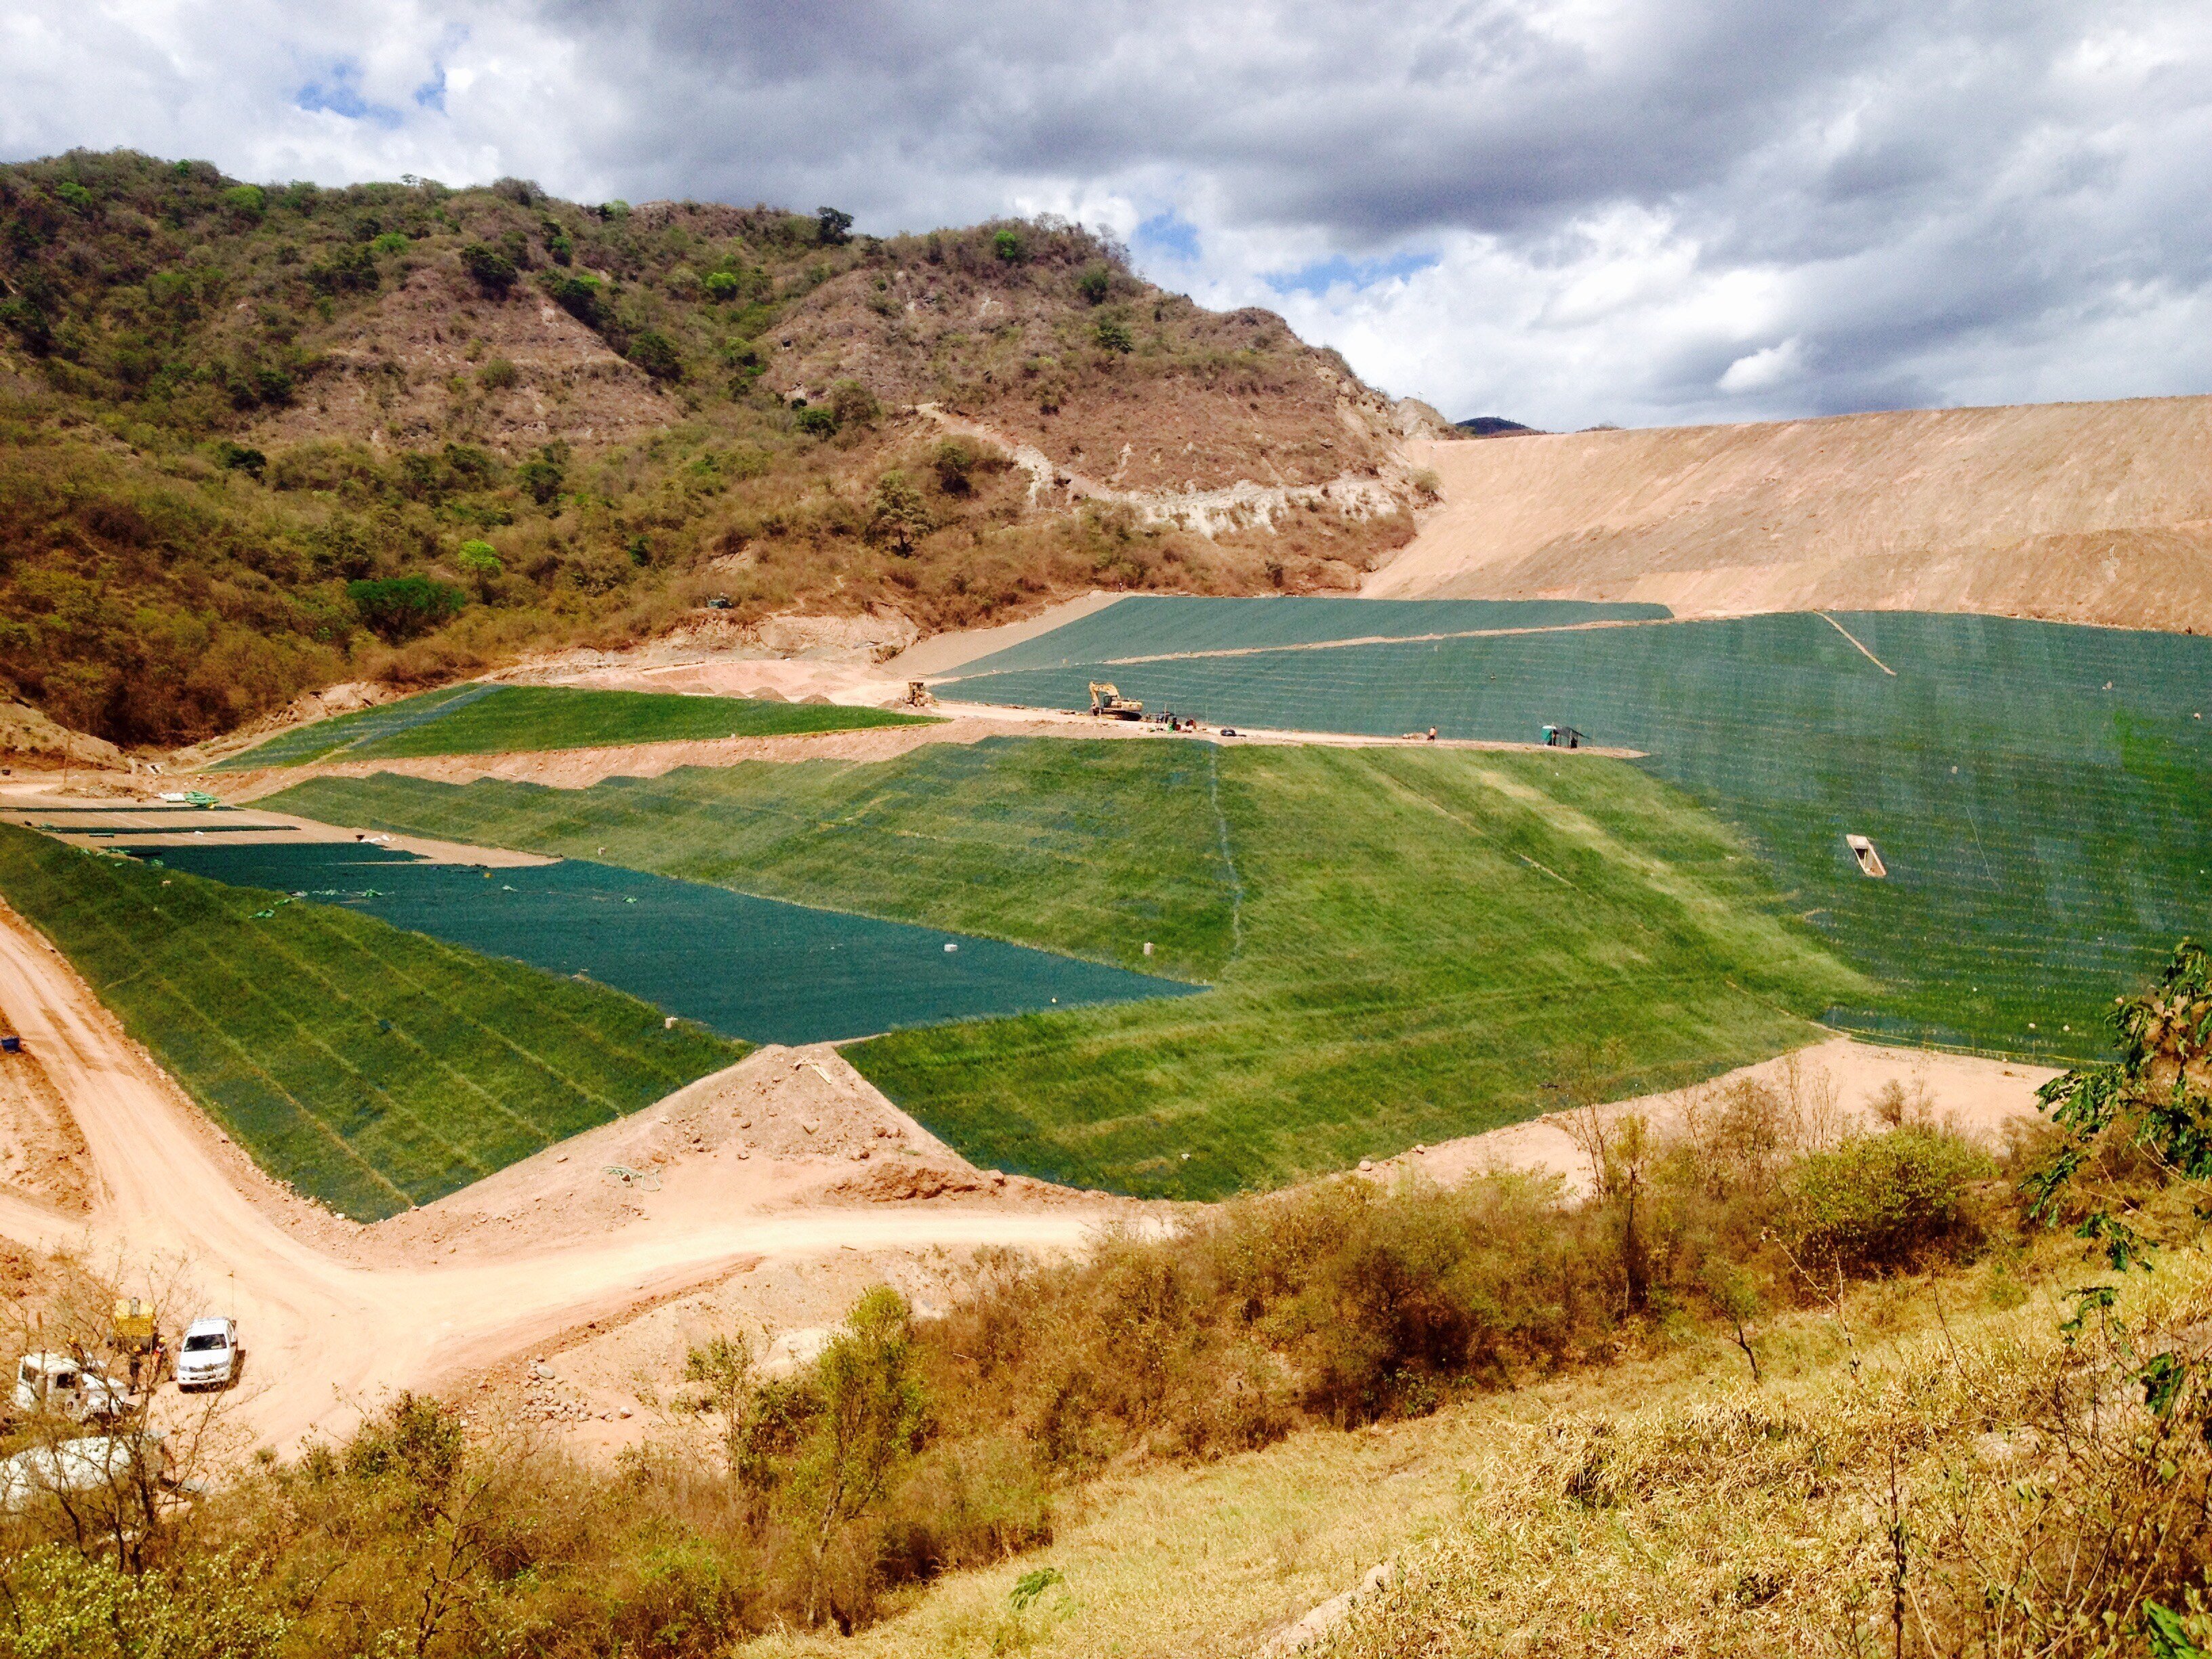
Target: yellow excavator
{"type": "Point", "coordinates": [1108, 701]}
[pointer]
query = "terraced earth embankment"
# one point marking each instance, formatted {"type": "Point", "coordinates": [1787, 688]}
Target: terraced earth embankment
{"type": "Point", "coordinates": [1399, 946]}
{"type": "Point", "coordinates": [367, 1066]}
{"type": "Point", "coordinates": [482, 718]}
{"type": "Point", "coordinates": [2040, 794]}
{"type": "Point", "coordinates": [2094, 513]}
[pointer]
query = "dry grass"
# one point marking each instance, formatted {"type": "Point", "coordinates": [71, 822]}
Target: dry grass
{"type": "Point", "coordinates": [1983, 1486]}
{"type": "Point", "coordinates": [1661, 1505]}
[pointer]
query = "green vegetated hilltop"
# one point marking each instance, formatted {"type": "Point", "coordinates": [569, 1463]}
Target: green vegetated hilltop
{"type": "Point", "coordinates": [1401, 946]}
{"type": "Point", "coordinates": [371, 1067]}
{"type": "Point", "coordinates": [2041, 794]}
{"type": "Point", "coordinates": [481, 719]}
{"type": "Point", "coordinates": [255, 439]}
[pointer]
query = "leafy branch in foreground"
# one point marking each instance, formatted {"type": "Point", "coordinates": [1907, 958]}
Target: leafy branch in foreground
{"type": "Point", "coordinates": [2151, 1107]}
{"type": "Point", "coordinates": [2153, 1104]}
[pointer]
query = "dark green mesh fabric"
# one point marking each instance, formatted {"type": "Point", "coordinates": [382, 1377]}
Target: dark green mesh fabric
{"type": "Point", "coordinates": [751, 968]}
{"type": "Point", "coordinates": [2042, 794]}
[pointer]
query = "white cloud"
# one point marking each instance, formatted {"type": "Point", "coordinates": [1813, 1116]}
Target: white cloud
{"type": "Point", "coordinates": [1764, 369]}
{"type": "Point", "coordinates": [1562, 211]}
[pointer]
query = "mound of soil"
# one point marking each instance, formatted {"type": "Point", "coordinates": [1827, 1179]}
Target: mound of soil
{"type": "Point", "coordinates": [2090, 512]}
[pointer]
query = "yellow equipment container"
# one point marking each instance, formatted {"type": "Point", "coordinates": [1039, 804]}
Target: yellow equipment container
{"type": "Point", "coordinates": [134, 1325]}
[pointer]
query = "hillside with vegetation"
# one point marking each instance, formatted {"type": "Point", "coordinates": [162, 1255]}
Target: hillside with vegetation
{"type": "Point", "coordinates": [255, 439]}
{"type": "Point", "coordinates": [1783, 1379]}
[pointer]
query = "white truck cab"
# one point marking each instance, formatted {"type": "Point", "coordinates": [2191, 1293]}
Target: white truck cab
{"type": "Point", "coordinates": [208, 1357]}
{"type": "Point", "coordinates": [62, 1384]}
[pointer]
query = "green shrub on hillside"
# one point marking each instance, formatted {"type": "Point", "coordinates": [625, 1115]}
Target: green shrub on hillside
{"type": "Point", "coordinates": [494, 271]}
{"type": "Point", "coordinates": [656, 354]}
{"type": "Point", "coordinates": [345, 269]}
{"type": "Point", "coordinates": [1889, 1203]}
{"type": "Point", "coordinates": [543, 474]}
{"type": "Point", "coordinates": [400, 607]}
{"type": "Point", "coordinates": [582, 295]}
{"type": "Point", "coordinates": [897, 515]}
{"type": "Point", "coordinates": [479, 559]}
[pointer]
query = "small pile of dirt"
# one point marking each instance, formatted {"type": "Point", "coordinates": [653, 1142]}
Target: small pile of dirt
{"type": "Point", "coordinates": [796, 1102]}
{"type": "Point", "coordinates": [901, 1181]}
{"type": "Point", "coordinates": [781, 1125]}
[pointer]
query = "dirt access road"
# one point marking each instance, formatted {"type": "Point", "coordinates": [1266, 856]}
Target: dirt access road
{"type": "Point", "coordinates": [326, 1335]}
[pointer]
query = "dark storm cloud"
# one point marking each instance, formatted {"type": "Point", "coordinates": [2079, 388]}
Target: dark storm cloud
{"type": "Point", "coordinates": [1370, 120]}
{"type": "Point", "coordinates": [1567, 210]}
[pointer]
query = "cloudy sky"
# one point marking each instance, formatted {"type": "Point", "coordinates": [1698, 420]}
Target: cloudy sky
{"type": "Point", "coordinates": [1566, 211]}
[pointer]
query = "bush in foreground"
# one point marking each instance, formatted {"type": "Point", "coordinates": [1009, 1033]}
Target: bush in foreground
{"type": "Point", "coordinates": [1887, 1203]}
{"type": "Point", "coordinates": [908, 1448]}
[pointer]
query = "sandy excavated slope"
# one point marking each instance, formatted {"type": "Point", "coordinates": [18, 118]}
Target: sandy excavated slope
{"type": "Point", "coordinates": [335, 1316]}
{"type": "Point", "coordinates": [1828, 1089]}
{"type": "Point", "coordinates": [2094, 513]}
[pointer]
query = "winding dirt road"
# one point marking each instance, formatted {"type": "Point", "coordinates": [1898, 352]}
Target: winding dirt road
{"type": "Point", "coordinates": [326, 1337]}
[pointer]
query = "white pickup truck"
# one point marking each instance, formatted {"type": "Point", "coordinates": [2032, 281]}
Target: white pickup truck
{"type": "Point", "coordinates": [208, 1357]}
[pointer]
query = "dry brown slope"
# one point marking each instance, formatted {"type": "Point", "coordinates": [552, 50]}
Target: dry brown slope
{"type": "Point", "coordinates": [2096, 513]}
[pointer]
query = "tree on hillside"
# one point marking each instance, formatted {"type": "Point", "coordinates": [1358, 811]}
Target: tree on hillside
{"type": "Point", "coordinates": [2154, 1103]}
{"type": "Point", "coordinates": [897, 512]}
{"type": "Point", "coordinates": [871, 1412]}
{"type": "Point", "coordinates": [400, 607]}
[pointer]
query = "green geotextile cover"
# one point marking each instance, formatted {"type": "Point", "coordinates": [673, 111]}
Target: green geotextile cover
{"type": "Point", "coordinates": [2040, 793]}
{"type": "Point", "coordinates": [754, 969]}
{"type": "Point", "coordinates": [1147, 625]}
{"type": "Point", "coordinates": [370, 1067]}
